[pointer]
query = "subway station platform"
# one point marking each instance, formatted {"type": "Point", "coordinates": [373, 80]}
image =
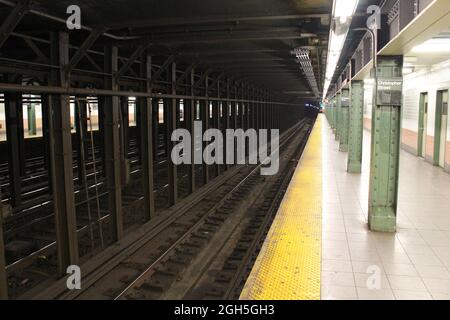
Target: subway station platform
{"type": "Point", "coordinates": [320, 245]}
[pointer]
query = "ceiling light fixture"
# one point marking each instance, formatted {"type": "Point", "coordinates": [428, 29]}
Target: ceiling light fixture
{"type": "Point", "coordinates": [343, 12]}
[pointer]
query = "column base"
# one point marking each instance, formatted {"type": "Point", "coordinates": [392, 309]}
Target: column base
{"type": "Point", "coordinates": [354, 167]}
{"type": "Point", "coordinates": [343, 148]}
{"type": "Point", "coordinates": [382, 219]}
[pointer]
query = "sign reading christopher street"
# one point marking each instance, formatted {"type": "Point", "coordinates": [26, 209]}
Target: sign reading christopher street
{"type": "Point", "coordinates": [389, 91]}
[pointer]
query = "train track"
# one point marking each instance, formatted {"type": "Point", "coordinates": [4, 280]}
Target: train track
{"type": "Point", "coordinates": [155, 261]}
{"type": "Point", "coordinates": [228, 235]}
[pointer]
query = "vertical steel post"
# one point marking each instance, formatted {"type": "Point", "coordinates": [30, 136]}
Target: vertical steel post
{"type": "Point", "coordinates": [171, 126]}
{"type": "Point", "coordinates": [13, 102]}
{"type": "Point", "coordinates": [190, 121]}
{"type": "Point", "coordinates": [155, 126]}
{"type": "Point", "coordinates": [61, 156]}
{"type": "Point", "coordinates": [146, 105]}
{"type": "Point", "coordinates": [226, 114]}
{"type": "Point", "coordinates": [3, 274]}
{"type": "Point", "coordinates": [385, 146]}
{"type": "Point", "coordinates": [248, 107]}
{"type": "Point", "coordinates": [338, 116]}
{"type": "Point", "coordinates": [46, 119]}
{"type": "Point", "coordinates": [81, 131]}
{"type": "Point", "coordinates": [206, 118]}
{"type": "Point", "coordinates": [216, 115]}
{"type": "Point", "coordinates": [345, 117]}
{"type": "Point", "coordinates": [112, 144]}
{"type": "Point", "coordinates": [125, 126]}
{"type": "Point", "coordinates": [355, 138]}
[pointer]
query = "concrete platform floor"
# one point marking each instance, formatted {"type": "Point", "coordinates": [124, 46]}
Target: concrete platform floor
{"type": "Point", "coordinates": [414, 263]}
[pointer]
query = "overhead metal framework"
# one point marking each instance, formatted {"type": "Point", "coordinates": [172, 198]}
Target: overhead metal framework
{"type": "Point", "coordinates": [163, 66]}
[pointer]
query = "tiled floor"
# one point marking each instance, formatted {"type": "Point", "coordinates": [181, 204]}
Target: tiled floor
{"type": "Point", "coordinates": [414, 263]}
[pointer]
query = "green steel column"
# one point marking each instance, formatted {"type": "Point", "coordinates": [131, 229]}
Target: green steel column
{"type": "Point", "coordinates": [335, 114]}
{"type": "Point", "coordinates": [345, 117]}
{"type": "Point", "coordinates": [338, 117]}
{"type": "Point", "coordinates": [356, 127]}
{"type": "Point", "coordinates": [385, 146]}
{"type": "Point", "coordinates": [31, 118]}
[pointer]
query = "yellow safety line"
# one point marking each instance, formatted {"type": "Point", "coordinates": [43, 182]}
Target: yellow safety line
{"type": "Point", "coordinates": [289, 264]}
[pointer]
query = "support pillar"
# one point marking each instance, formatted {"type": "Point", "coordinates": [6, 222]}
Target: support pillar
{"type": "Point", "coordinates": [112, 144]}
{"type": "Point", "coordinates": [3, 274]}
{"type": "Point", "coordinates": [171, 125]}
{"type": "Point", "coordinates": [13, 102]}
{"type": "Point", "coordinates": [205, 117]}
{"type": "Point", "coordinates": [226, 115]}
{"type": "Point", "coordinates": [338, 117]}
{"type": "Point", "coordinates": [61, 158]}
{"type": "Point", "coordinates": [385, 146]}
{"type": "Point", "coordinates": [155, 126]}
{"type": "Point", "coordinates": [81, 133]}
{"type": "Point", "coordinates": [355, 137]}
{"type": "Point", "coordinates": [345, 117]}
{"type": "Point", "coordinates": [216, 117]}
{"type": "Point", "coordinates": [146, 107]}
{"type": "Point", "coordinates": [190, 124]}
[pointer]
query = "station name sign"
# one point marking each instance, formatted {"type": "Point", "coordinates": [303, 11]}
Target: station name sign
{"type": "Point", "coordinates": [345, 102]}
{"type": "Point", "coordinates": [389, 91]}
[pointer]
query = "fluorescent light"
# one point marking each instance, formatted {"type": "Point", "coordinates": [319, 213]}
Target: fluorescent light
{"type": "Point", "coordinates": [343, 12]}
{"type": "Point", "coordinates": [437, 45]}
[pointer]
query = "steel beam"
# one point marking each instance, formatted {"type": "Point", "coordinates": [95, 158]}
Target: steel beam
{"type": "Point", "coordinates": [216, 119]}
{"type": "Point", "coordinates": [145, 105]}
{"type": "Point", "coordinates": [187, 73]}
{"type": "Point", "coordinates": [125, 127]}
{"type": "Point", "coordinates": [87, 44]}
{"type": "Point", "coordinates": [112, 145]}
{"type": "Point", "coordinates": [205, 119]}
{"type": "Point", "coordinates": [190, 119]}
{"type": "Point", "coordinates": [46, 119]}
{"type": "Point", "coordinates": [171, 126]}
{"type": "Point", "coordinates": [81, 134]}
{"type": "Point", "coordinates": [169, 61]}
{"type": "Point", "coordinates": [213, 19]}
{"type": "Point", "coordinates": [3, 274]}
{"type": "Point", "coordinates": [355, 138]}
{"type": "Point", "coordinates": [42, 57]}
{"type": "Point", "coordinates": [13, 105]}
{"type": "Point", "coordinates": [61, 155]}
{"type": "Point", "coordinates": [13, 19]}
{"type": "Point", "coordinates": [385, 149]}
{"type": "Point", "coordinates": [227, 116]}
{"type": "Point", "coordinates": [345, 117]}
{"type": "Point", "coordinates": [134, 56]}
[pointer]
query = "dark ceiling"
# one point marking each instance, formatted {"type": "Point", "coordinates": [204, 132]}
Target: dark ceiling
{"type": "Point", "coordinates": [246, 39]}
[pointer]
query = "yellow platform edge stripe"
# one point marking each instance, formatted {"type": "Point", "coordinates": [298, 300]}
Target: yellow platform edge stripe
{"type": "Point", "coordinates": [289, 264]}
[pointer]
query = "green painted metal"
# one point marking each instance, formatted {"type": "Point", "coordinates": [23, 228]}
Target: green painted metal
{"type": "Point", "coordinates": [355, 137]}
{"type": "Point", "coordinates": [331, 114]}
{"type": "Point", "coordinates": [31, 113]}
{"type": "Point", "coordinates": [345, 119]}
{"type": "Point", "coordinates": [438, 126]}
{"type": "Point", "coordinates": [423, 106]}
{"type": "Point", "coordinates": [338, 117]}
{"type": "Point", "coordinates": [335, 112]}
{"type": "Point", "coordinates": [385, 154]}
